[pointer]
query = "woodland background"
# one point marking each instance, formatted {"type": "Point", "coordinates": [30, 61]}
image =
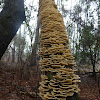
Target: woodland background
{"type": "Point", "coordinates": [19, 68]}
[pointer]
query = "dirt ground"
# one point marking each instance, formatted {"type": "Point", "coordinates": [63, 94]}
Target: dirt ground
{"type": "Point", "coordinates": [89, 88]}
{"type": "Point", "coordinates": [13, 88]}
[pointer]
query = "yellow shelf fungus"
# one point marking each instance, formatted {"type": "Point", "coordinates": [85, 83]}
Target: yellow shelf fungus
{"type": "Point", "coordinates": [57, 63]}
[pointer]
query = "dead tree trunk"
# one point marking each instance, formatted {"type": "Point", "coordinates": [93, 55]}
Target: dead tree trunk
{"type": "Point", "coordinates": [56, 61]}
{"type": "Point", "coordinates": [11, 17]}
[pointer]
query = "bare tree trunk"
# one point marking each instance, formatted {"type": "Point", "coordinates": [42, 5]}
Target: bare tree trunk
{"type": "Point", "coordinates": [94, 72]}
{"type": "Point", "coordinates": [11, 17]}
{"type": "Point", "coordinates": [93, 60]}
{"type": "Point", "coordinates": [32, 61]}
{"type": "Point", "coordinates": [13, 54]}
{"type": "Point", "coordinates": [35, 46]}
{"type": "Point", "coordinates": [13, 51]}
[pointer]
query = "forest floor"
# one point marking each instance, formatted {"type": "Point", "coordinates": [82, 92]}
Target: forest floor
{"type": "Point", "coordinates": [89, 88]}
{"type": "Point", "coordinates": [14, 88]}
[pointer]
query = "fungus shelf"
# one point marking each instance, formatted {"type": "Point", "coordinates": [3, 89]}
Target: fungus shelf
{"type": "Point", "coordinates": [57, 63]}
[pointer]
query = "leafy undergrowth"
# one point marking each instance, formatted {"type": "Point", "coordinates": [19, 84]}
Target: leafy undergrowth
{"type": "Point", "coordinates": [15, 86]}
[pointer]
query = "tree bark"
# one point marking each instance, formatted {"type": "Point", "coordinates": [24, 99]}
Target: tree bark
{"type": "Point", "coordinates": [13, 54]}
{"type": "Point", "coordinates": [74, 97]}
{"type": "Point", "coordinates": [11, 17]}
{"type": "Point", "coordinates": [93, 64]}
{"type": "Point", "coordinates": [35, 46]}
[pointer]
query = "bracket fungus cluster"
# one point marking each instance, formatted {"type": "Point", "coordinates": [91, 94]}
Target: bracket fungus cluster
{"type": "Point", "coordinates": [58, 79]}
